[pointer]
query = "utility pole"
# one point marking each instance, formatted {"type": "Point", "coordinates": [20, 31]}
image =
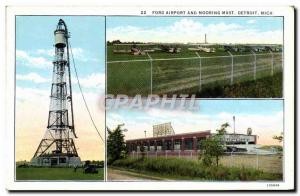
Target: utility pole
{"type": "Point", "coordinates": [234, 124]}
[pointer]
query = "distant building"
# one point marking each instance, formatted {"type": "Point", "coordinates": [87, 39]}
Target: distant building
{"type": "Point", "coordinates": [234, 142]}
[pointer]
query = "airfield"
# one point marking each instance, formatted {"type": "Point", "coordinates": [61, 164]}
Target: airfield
{"type": "Point", "coordinates": [189, 70]}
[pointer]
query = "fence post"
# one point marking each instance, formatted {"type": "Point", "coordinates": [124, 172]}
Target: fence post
{"type": "Point", "coordinates": [200, 70]}
{"type": "Point", "coordinates": [256, 159]}
{"type": "Point", "coordinates": [231, 79]}
{"type": "Point", "coordinates": [151, 76]}
{"type": "Point", "coordinates": [254, 64]}
{"type": "Point", "coordinates": [282, 57]}
{"type": "Point", "coordinates": [272, 63]}
{"type": "Point", "coordinates": [231, 156]}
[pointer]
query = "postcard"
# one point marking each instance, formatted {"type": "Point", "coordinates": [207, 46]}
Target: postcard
{"type": "Point", "coordinates": [150, 98]}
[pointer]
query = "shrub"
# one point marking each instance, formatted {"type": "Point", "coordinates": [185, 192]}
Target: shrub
{"type": "Point", "coordinates": [178, 167]}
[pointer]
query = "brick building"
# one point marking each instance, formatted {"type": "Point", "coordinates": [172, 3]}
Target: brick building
{"type": "Point", "coordinates": [188, 144]}
{"type": "Point", "coordinates": [185, 144]}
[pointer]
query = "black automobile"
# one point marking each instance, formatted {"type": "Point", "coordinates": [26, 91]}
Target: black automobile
{"type": "Point", "coordinates": [90, 169]}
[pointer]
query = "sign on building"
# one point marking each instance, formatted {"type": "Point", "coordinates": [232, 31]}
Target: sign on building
{"type": "Point", "coordinates": [163, 129]}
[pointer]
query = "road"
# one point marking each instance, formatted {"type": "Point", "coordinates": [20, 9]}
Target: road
{"type": "Point", "coordinates": [121, 175]}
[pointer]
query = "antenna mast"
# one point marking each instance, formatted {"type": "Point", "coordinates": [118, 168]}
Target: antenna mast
{"type": "Point", "coordinates": [58, 147]}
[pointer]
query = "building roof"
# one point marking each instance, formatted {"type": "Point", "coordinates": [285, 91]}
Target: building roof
{"type": "Point", "coordinates": [237, 134]}
{"type": "Point", "coordinates": [175, 136]}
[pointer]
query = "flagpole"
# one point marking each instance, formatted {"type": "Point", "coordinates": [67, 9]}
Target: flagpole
{"type": "Point", "coordinates": [234, 124]}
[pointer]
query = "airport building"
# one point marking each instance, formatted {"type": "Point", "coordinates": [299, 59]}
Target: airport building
{"type": "Point", "coordinates": [167, 143]}
{"type": "Point", "coordinates": [186, 142]}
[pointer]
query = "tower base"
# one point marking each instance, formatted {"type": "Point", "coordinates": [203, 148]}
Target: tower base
{"type": "Point", "coordinates": [56, 161]}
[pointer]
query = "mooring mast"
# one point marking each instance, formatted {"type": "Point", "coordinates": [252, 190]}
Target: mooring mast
{"type": "Point", "coordinates": [57, 146]}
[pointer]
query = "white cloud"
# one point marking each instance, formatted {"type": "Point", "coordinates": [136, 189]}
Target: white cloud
{"type": "Point", "coordinates": [32, 94]}
{"type": "Point", "coordinates": [34, 77]}
{"type": "Point", "coordinates": [77, 52]}
{"type": "Point", "coordinates": [251, 21]}
{"type": "Point", "coordinates": [187, 30]}
{"type": "Point", "coordinates": [26, 59]}
{"type": "Point", "coordinates": [94, 80]}
{"type": "Point", "coordinates": [81, 55]}
{"type": "Point", "coordinates": [49, 52]}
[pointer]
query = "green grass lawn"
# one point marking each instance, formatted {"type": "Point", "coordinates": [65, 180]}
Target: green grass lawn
{"type": "Point", "coordinates": [187, 169]}
{"type": "Point", "coordinates": [34, 173]}
{"type": "Point", "coordinates": [267, 87]}
{"type": "Point", "coordinates": [182, 76]}
{"type": "Point", "coordinates": [147, 175]}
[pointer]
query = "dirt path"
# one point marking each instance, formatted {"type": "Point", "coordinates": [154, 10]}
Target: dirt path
{"type": "Point", "coordinates": [120, 175]}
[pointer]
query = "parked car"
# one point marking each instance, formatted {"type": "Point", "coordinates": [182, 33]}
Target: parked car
{"type": "Point", "coordinates": [90, 169]}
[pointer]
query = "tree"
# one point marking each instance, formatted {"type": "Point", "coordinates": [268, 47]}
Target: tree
{"type": "Point", "coordinates": [213, 147]}
{"type": "Point", "coordinates": [116, 42]}
{"type": "Point", "coordinates": [116, 147]}
{"type": "Point", "coordinates": [223, 128]}
{"type": "Point", "coordinates": [279, 137]}
{"type": "Point", "coordinates": [142, 149]}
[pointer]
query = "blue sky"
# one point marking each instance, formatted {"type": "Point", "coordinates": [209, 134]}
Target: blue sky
{"type": "Point", "coordinates": [34, 41]}
{"type": "Point", "coordinates": [188, 29]}
{"type": "Point", "coordinates": [215, 107]}
{"type": "Point", "coordinates": [240, 106]}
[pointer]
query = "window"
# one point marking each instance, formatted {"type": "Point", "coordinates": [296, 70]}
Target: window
{"type": "Point", "coordinates": [62, 160]}
{"type": "Point", "coordinates": [188, 144]}
{"type": "Point", "coordinates": [177, 144]}
{"type": "Point", "coordinates": [168, 145]}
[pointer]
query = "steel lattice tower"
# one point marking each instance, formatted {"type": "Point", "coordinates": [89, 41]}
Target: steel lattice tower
{"type": "Point", "coordinates": [57, 146]}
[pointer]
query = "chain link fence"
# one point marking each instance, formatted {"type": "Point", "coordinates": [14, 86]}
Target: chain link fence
{"type": "Point", "coordinates": [267, 162]}
{"type": "Point", "coordinates": [188, 75]}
